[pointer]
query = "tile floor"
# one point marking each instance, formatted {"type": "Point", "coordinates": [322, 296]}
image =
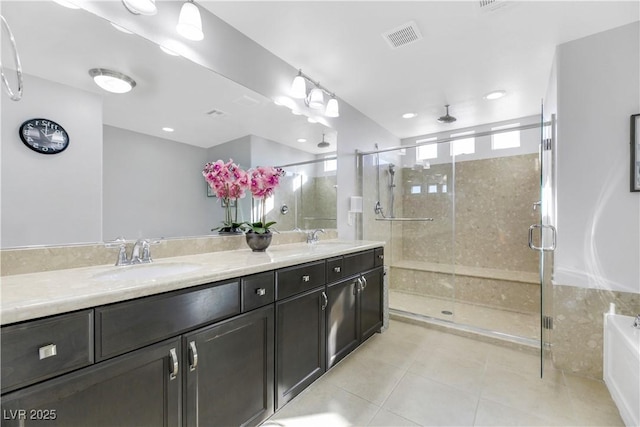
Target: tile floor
{"type": "Point", "coordinates": [508, 322]}
{"type": "Point", "coordinates": [411, 375]}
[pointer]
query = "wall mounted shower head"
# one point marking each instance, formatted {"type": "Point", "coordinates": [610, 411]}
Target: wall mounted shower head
{"type": "Point", "coordinates": [446, 118]}
{"type": "Point", "coordinates": [392, 168]}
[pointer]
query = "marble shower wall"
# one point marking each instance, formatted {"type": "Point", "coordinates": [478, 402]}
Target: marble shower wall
{"type": "Point", "coordinates": [493, 211]}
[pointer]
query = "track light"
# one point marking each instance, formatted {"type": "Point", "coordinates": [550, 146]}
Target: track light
{"type": "Point", "coordinates": [190, 23]}
{"type": "Point", "coordinates": [315, 98]}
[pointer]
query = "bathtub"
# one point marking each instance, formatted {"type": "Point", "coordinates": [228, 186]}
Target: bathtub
{"type": "Point", "coordinates": [622, 365]}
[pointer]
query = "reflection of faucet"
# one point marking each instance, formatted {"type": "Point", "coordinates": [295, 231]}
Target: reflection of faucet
{"type": "Point", "coordinates": [312, 236]}
{"type": "Point", "coordinates": [636, 322]}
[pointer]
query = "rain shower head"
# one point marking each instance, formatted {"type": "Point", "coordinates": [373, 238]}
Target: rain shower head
{"type": "Point", "coordinates": [446, 118]}
{"type": "Point", "coordinates": [323, 143]}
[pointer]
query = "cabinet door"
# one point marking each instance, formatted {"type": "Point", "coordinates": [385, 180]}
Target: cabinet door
{"type": "Point", "coordinates": [342, 320]}
{"type": "Point", "coordinates": [371, 303]}
{"type": "Point", "coordinates": [136, 389]}
{"type": "Point", "coordinates": [229, 371]}
{"type": "Point", "coordinates": [300, 343]}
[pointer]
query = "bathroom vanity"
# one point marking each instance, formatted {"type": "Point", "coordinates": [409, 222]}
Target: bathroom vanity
{"type": "Point", "coordinates": [227, 341]}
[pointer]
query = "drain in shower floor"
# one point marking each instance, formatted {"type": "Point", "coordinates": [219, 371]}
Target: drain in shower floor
{"type": "Point", "coordinates": [447, 312]}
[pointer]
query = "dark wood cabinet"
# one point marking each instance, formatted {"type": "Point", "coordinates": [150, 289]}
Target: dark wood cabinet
{"type": "Point", "coordinates": [370, 304]}
{"type": "Point", "coordinates": [141, 388]}
{"type": "Point", "coordinates": [229, 369]}
{"type": "Point", "coordinates": [300, 343]}
{"type": "Point", "coordinates": [343, 326]}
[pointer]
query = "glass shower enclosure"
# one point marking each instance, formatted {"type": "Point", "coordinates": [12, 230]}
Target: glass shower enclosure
{"type": "Point", "coordinates": [454, 212]}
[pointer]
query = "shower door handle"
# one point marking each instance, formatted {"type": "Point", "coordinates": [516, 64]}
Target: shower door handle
{"type": "Point", "coordinates": [541, 228]}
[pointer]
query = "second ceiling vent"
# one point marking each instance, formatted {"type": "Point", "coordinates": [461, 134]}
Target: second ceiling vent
{"type": "Point", "coordinates": [403, 35]}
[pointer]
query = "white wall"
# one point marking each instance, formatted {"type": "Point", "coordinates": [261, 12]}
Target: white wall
{"type": "Point", "coordinates": [52, 199]}
{"type": "Point", "coordinates": [153, 187]}
{"type": "Point", "coordinates": [598, 217]}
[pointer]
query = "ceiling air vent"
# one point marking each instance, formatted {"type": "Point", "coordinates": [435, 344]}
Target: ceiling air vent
{"type": "Point", "coordinates": [491, 5]}
{"type": "Point", "coordinates": [403, 35]}
{"type": "Point", "coordinates": [216, 114]}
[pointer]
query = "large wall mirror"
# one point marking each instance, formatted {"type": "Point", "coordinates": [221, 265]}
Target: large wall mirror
{"type": "Point", "coordinates": [150, 183]}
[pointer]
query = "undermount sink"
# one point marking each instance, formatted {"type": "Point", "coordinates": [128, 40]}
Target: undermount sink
{"type": "Point", "coordinates": [146, 271]}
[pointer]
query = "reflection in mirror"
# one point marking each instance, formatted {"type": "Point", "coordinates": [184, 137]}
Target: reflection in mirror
{"type": "Point", "coordinates": [307, 196]}
{"type": "Point", "coordinates": [151, 184]}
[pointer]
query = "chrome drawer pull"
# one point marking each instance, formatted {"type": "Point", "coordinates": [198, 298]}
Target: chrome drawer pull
{"type": "Point", "coordinates": [261, 291]}
{"type": "Point", "coordinates": [194, 356]}
{"type": "Point", "coordinates": [326, 301]}
{"type": "Point", "coordinates": [380, 257]}
{"type": "Point", "coordinates": [306, 278]}
{"type": "Point", "coordinates": [337, 269]}
{"type": "Point", "coordinates": [174, 364]}
{"type": "Point", "coordinates": [47, 351]}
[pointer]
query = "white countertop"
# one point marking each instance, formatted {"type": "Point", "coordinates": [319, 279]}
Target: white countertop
{"type": "Point", "coordinates": [34, 295]}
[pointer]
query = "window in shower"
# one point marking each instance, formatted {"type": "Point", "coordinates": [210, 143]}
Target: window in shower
{"type": "Point", "coordinates": [464, 145]}
{"type": "Point", "coordinates": [500, 141]}
{"type": "Point", "coordinates": [428, 151]}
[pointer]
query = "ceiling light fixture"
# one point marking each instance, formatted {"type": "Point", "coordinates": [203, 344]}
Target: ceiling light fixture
{"type": "Point", "coordinates": [323, 143]}
{"type": "Point", "coordinates": [121, 29]}
{"type": "Point", "coordinates": [315, 97]}
{"type": "Point", "coordinates": [168, 51]}
{"type": "Point", "coordinates": [497, 94]}
{"type": "Point", "coordinates": [190, 23]}
{"type": "Point", "coordinates": [168, 129]}
{"type": "Point", "coordinates": [141, 7]}
{"type": "Point", "coordinates": [409, 115]}
{"type": "Point", "coordinates": [112, 81]}
{"type": "Point", "coordinates": [302, 140]}
{"type": "Point", "coordinates": [311, 120]}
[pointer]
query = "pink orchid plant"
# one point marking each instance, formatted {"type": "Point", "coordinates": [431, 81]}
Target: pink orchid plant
{"type": "Point", "coordinates": [263, 181]}
{"type": "Point", "coordinates": [229, 183]}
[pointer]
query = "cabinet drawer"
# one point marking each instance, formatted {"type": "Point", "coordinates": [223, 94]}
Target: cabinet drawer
{"type": "Point", "coordinates": [293, 280]}
{"type": "Point", "coordinates": [358, 262]}
{"type": "Point", "coordinates": [130, 325]}
{"type": "Point", "coordinates": [334, 269]}
{"type": "Point", "coordinates": [40, 349]}
{"type": "Point", "coordinates": [378, 254]}
{"type": "Point", "coordinates": [258, 290]}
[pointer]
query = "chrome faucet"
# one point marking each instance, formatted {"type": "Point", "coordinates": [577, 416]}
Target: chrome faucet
{"type": "Point", "coordinates": [636, 322]}
{"type": "Point", "coordinates": [312, 236]}
{"type": "Point", "coordinates": [140, 246]}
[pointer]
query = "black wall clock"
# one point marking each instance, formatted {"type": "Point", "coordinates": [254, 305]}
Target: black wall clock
{"type": "Point", "coordinates": [44, 136]}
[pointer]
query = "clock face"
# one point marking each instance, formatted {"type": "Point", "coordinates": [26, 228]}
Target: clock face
{"type": "Point", "coordinates": [44, 136]}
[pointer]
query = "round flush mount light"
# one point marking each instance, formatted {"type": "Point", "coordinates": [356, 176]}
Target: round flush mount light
{"type": "Point", "coordinates": [167, 129]}
{"type": "Point", "coordinates": [302, 140]}
{"type": "Point", "coordinates": [141, 7]}
{"type": "Point", "coordinates": [112, 81]}
{"type": "Point", "coordinates": [496, 94]}
{"type": "Point", "coordinates": [409, 115]}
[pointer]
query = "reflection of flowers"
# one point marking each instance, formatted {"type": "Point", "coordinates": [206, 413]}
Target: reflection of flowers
{"type": "Point", "coordinates": [229, 183]}
{"type": "Point", "coordinates": [263, 181]}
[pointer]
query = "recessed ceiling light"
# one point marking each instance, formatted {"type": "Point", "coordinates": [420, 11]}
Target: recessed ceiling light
{"type": "Point", "coordinates": [168, 51]}
{"type": "Point", "coordinates": [168, 129]}
{"type": "Point", "coordinates": [119, 28]}
{"type": "Point", "coordinates": [311, 120]}
{"type": "Point", "coordinates": [112, 81]}
{"type": "Point", "coordinates": [302, 140]}
{"type": "Point", "coordinates": [409, 115]}
{"type": "Point", "coordinates": [497, 94]}
{"type": "Point", "coordinates": [68, 4]}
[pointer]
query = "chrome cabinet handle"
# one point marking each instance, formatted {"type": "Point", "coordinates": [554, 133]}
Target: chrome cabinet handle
{"type": "Point", "coordinates": [364, 282]}
{"type": "Point", "coordinates": [359, 284]}
{"type": "Point", "coordinates": [326, 300]}
{"type": "Point", "coordinates": [47, 351]}
{"type": "Point", "coordinates": [337, 269]}
{"type": "Point", "coordinates": [174, 364]}
{"type": "Point", "coordinates": [193, 356]}
{"type": "Point", "coordinates": [261, 291]}
{"type": "Point", "coordinates": [380, 257]}
{"type": "Point", "coordinates": [306, 278]}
